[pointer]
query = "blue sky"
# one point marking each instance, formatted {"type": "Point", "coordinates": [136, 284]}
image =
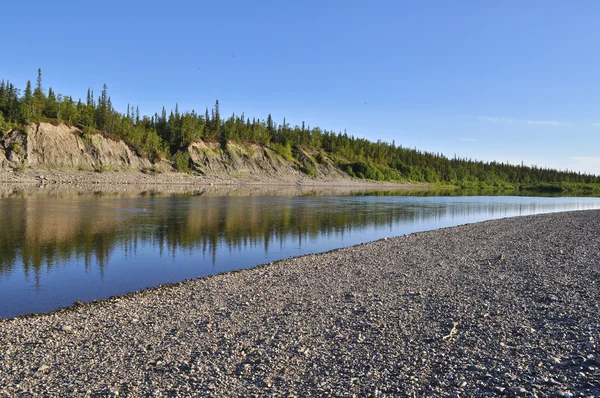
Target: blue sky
{"type": "Point", "coordinates": [513, 81]}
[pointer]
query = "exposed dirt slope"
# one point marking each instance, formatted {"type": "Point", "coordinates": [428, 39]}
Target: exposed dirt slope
{"type": "Point", "coordinates": [258, 162]}
{"type": "Point", "coordinates": [46, 146]}
{"type": "Point", "coordinates": [60, 147]}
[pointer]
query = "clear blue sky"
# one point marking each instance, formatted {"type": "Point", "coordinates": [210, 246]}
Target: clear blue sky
{"type": "Point", "coordinates": [491, 80]}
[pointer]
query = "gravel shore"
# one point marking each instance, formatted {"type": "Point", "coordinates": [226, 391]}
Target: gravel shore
{"type": "Point", "coordinates": [172, 180]}
{"type": "Point", "coordinates": [506, 307]}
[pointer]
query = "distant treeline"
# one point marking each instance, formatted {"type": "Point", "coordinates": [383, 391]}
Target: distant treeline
{"type": "Point", "coordinates": [164, 135]}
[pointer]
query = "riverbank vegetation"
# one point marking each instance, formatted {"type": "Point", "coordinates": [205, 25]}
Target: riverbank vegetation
{"type": "Point", "coordinates": [169, 134]}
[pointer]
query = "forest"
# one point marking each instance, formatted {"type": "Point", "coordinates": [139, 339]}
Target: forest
{"type": "Point", "coordinates": [167, 135]}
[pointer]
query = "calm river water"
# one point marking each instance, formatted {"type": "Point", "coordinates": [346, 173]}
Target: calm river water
{"type": "Point", "coordinates": [58, 249]}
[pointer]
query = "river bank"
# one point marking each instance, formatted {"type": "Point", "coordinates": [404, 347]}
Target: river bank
{"type": "Point", "coordinates": [502, 307]}
{"type": "Point", "coordinates": [174, 182]}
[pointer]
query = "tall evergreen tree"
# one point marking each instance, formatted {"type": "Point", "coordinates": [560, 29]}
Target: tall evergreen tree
{"type": "Point", "coordinates": [27, 103]}
{"type": "Point", "coordinates": [39, 99]}
{"type": "Point", "coordinates": [51, 109]}
{"type": "Point", "coordinates": [217, 119]}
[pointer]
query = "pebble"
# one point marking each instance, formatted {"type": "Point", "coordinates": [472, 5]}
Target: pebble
{"type": "Point", "coordinates": [518, 390]}
{"type": "Point", "coordinates": [340, 323]}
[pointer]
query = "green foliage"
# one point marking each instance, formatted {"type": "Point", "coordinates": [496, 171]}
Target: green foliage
{"type": "Point", "coordinates": [309, 169]}
{"type": "Point", "coordinates": [563, 188]}
{"type": "Point", "coordinates": [167, 135]}
{"type": "Point", "coordinates": [284, 150]}
{"type": "Point", "coordinates": [320, 158]}
{"type": "Point", "coordinates": [101, 168]}
{"type": "Point", "coordinates": [5, 126]}
{"type": "Point", "coordinates": [364, 170]}
{"type": "Point", "coordinates": [15, 148]}
{"type": "Point", "coordinates": [181, 161]}
{"type": "Point", "coordinates": [86, 137]}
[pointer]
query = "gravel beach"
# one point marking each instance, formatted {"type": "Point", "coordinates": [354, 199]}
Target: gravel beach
{"type": "Point", "coordinates": [506, 307]}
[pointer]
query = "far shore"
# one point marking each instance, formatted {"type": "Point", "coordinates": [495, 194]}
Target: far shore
{"type": "Point", "coordinates": [173, 182]}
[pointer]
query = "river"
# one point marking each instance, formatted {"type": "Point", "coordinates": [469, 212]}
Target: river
{"type": "Point", "coordinates": [60, 248]}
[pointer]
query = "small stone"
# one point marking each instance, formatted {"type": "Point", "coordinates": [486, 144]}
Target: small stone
{"type": "Point", "coordinates": [554, 360]}
{"type": "Point", "coordinates": [245, 368]}
{"type": "Point", "coordinates": [565, 394]}
{"type": "Point", "coordinates": [590, 345]}
{"type": "Point", "coordinates": [518, 390]}
{"type": "Point", "coordinates": [499, 389]}
{"type": "Point", "coordinates": [43, 367]}
{"type": "Point", "coordinates": [476, 368]}
{"type": "Point", "coordinates": [66, 328]}
{"type": "Point", "coordinates": [552, 297]}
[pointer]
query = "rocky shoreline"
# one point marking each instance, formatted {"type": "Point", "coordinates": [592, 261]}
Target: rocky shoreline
{"type": "Point", "coordinates": [505, 307]}
{"type": "Point", "coordinates": [135, 181]}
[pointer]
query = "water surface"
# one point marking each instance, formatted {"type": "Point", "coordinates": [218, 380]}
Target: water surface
{"type": "Point", "coordinates": [57, 249]}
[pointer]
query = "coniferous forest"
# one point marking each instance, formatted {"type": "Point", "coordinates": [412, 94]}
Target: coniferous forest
{"type": "Point", "coordinates": [167, 134]}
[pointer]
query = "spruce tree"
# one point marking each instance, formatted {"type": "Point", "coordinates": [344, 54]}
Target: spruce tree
{"type": "Point", "coordinates": [217, 119]}
{"type": "Point", "coordinates": [39, 99]}
{"type": "Point", "coordinates": [27, 103]}
{"type": "Point", "coordinates": [51, 108]}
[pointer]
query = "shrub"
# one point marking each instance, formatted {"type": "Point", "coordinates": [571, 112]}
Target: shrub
{"type": "Point", "coordinates": [181, 161]}
{"type": "Point", "coordinates": [15, 148]}
{"type": "Point", "coordinates": [309, 169]}
{"type": "Point", "coordinates": [284, 150]}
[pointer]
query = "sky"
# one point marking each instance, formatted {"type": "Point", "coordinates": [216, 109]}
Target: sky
{"type": "Point", "coordinates": [511, 81]}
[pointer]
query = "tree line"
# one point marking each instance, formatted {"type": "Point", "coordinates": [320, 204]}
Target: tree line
{"type": "Point", "coordinates": [168, 134]}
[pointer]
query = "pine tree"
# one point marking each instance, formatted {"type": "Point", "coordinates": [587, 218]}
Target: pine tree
{"type": "Point", "coordinates": [217, 119]}
{"type": "Point", "coordinates": [102, 110]}
{"type": "Point", "coordinates": [27, 103]}
{"type": "Point", "coordinates": [39, 99]}
{"type": "Point", "coordinates": [272, 134]}
{"type": "Point", "coordinates": [51, 108]}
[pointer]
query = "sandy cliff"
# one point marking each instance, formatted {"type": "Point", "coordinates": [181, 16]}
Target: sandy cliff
{"type": "Point", "coordinates": [258, 161]}
{"type": "Point", "coordinates": [45, 146]}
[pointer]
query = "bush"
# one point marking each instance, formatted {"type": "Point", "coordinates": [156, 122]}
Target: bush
{"type": "Point", "coordinates": [364, 171]}
{"type": "Point", "coordinates": [309, 169]}
{"type": "Point", "coordinates": [350, 171]}
{"type": "Point", "coordinates": [284, 150]}
{"type": "Point", "coordinates": [5, 127]}
{"type": "Point", "coordinates": [181, 161]}
{"type": "Point", "coordinates": [15, 148]}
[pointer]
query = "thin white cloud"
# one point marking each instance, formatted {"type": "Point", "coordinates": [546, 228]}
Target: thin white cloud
{"type": "Point", "coordinates": [507, 120]}
{"type": "Point", "coordinates": [495, 119]}
{"type": "Point", "coordinates": [550, 123]}
{"type": "Point", "coordinates": [467, 139]}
